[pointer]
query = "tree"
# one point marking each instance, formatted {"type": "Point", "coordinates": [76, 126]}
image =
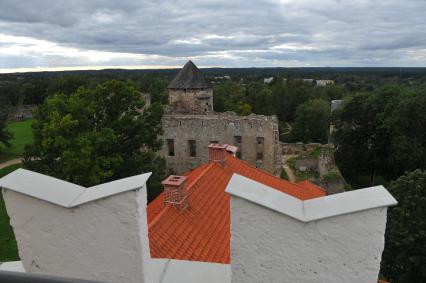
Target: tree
{"type": "Point", "coordinates": [96, 135]}
{"type": "Point", "coordinates": [312, 121]}
{"type": "Point", "coordinates": [244, 109]}
{"type": "Point", "coordinates": [5, 135]}
{"type": "Point", "coordinates": [404, 257]}
{"type": "Point", "coordinates": [67, 85]}
{"type": "Point", "coordinates": [34, 91]}
{"type": "Point", "coordinates": [10, 91]}
{"type": "Point", "coordinates": [382, 132]}
{"type": "Point", "coordinates": [288, 95]}
{"type": "Point", "coordinates": [228, 96]}
{"type": "Point", "coordinates": [259, 97]}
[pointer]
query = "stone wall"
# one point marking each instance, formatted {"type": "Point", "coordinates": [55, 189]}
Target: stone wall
{"type": "Point", "coordinates": [309, 164]}
{"type": "Point", "coordinates": [194, 100]}
{"type": "Point", "coordinates": [255, 135]}
{"type": "Point", "coordinates": [21, 112]}
{"type": "Point", "coordinates": [299, 147]}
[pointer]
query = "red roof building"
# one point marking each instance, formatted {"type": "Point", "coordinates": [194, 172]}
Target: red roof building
{"type": "Point", "coordinates": [201, 230]}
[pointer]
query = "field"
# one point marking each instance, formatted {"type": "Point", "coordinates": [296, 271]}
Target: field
{"type": "Point", "coordinates": [22, 135]}
{"type": "Point", "coordinates": [8, 247]}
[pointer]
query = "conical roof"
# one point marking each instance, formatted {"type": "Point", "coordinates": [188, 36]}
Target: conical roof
{"type": "Point", "coordinates": [189, 77]}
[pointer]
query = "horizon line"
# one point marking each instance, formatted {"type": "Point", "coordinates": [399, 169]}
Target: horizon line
{"type": "Point", "coordinates": [163, 67]}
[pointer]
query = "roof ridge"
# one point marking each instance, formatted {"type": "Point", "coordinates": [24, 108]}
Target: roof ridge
{"type": "Point", "coordinates": [202, 173]}
{"type": "Point", "coordinates": [269, 174]}
{"type": "Point", "coordinates": [306, 181]}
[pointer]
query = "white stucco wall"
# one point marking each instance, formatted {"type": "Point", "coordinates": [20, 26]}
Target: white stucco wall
{"type": "Point", "coordinates": [268, 246]}
{"type": "Point", "coordinates": [99, 240]}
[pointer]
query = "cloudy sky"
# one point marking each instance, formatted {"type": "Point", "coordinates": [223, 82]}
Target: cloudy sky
{"type": "Point", "coordinates": [81, 34]}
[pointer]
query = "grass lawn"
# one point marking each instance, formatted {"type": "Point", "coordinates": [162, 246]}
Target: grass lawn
{"type": "Point", "coordinates": [22, 135]}
{"type": "Point", "coordinates": [8, 247]}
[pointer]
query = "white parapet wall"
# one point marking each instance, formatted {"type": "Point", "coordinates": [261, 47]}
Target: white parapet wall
{"type": "Point", "coordinates": [98, 233]}
{"type": "Point", "coordinates": [278, 238]}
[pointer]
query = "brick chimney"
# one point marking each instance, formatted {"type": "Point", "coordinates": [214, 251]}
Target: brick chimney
{"type": "Point", "coordinates": [175, 192]}
{"type": "Point", "coordinates": [218, 153]}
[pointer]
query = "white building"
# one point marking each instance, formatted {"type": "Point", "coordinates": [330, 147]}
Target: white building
{"type": "Point", "coordinates": [268, 80]}
{"type": "Point", "coordinates": [324, 82]}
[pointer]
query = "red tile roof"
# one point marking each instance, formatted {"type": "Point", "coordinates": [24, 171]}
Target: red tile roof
{"type": "Point", "coordinates": [202, 231]}
{"type": "Point", "coordinates": [308, 185]}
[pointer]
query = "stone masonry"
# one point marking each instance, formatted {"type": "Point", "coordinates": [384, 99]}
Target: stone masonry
{"type": "Point", "coordinates": [256, 136]}
{"type": "Point", "coordinates": [190, 125]}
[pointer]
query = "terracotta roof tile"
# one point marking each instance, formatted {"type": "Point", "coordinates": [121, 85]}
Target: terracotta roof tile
{"type": "Point", "coordinates": [202, 231]}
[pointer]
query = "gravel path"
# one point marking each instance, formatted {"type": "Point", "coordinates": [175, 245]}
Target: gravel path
{"type": "Point", "coordinates": [10, 162]}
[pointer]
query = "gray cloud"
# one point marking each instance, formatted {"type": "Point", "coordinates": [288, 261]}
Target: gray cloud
{"type": "Point", "coordinates": [216, 33]}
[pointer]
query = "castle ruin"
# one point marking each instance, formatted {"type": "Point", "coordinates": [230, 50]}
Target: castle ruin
{"type": "Point", "coordinates": [190, 124]}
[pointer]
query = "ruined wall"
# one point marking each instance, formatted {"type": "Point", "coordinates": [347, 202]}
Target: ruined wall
{"type": "Point", "coordinates": [195, 100]}
{"type": "Point", "coordinates": [21, 112]}
{"type": "Point", "coordinates": [250, 133]}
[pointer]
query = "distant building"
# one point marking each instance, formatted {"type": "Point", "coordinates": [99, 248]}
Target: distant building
{"type": "Point", "coordinates": [315, 82]}
{"type": "Point", "coordinates": [268, 80]}
{"type": "Point", "coordinates": [226, 77]}
{"type": "Point", "coordinates": [336, 104]}
{"type": "Point", "coordinates": [309, 81]}
{"type": "Point", "coordinates": [190, 124]}
{"type": "Point", "coordinates": [324, 82]}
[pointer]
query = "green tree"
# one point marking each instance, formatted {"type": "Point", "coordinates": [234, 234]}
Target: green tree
{"type": "Point", "coordinates": [66, 85]}
{"type": "Point", "coordinates": [228, 96]}
{"type": "Point", "coordinates": [259, 97]}
{"type": "Point", "coordinates": [382, 133]}
{"type": "Point", "coordinates": [10, 92]}
{"type": "Point", "coordinates": [34, 91]}
{"type": "Point", "coordinates": [5, 135]}
{"type": "Point", "coordinates": [288, 95]}
{"type": "Point", "coordinates": [404, 257]}
{"type": "Point", "coordinates": [244, 109]}
{"type": "Point", "coordinates": [312, 121]}
{"type": "Point", "coordinates": [96, 135]}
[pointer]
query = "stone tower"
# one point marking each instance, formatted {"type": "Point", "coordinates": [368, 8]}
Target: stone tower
{"type": "Point", "coordinates": [190, 91]}
{"type": "Point", "coordinates": [190, 124]}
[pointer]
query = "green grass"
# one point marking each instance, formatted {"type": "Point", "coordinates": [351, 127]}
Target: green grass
{"type": "Point", "coordinates": [22, 135]}
{"type": "Point", "coordinates": [8, 247]}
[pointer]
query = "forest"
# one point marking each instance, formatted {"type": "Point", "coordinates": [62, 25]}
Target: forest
{"type": "Point", "coordinates": [385, 104]}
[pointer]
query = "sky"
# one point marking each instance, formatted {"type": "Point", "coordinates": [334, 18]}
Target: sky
{"type": "Point", "coordinates": [95, 34]}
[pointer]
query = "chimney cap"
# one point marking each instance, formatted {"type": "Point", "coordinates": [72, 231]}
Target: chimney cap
{"type": "Point", "coordinates": [174, 180]}
{"type": "Point", "coordinates": [218, 146]}
{"type": "Point", "coordinates": [232, 149]}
